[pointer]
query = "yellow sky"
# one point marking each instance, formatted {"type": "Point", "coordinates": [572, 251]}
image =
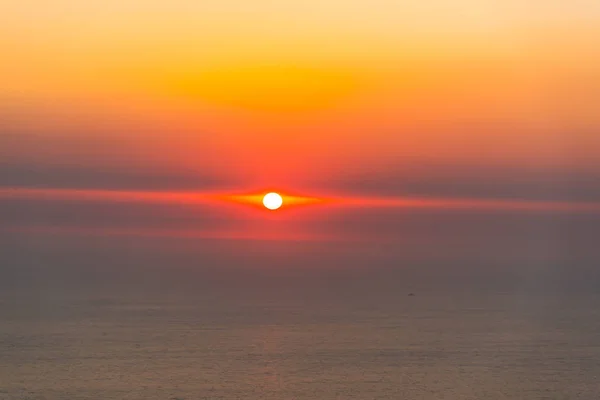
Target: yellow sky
{"type": "Point", "coordinates": [94, 42]}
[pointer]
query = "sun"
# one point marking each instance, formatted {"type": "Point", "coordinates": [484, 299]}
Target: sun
{"type": "Point", "coordinates": [272, 201]}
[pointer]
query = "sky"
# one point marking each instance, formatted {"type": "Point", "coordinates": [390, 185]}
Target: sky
{"type": "Point", "coordinates": [454, 132]}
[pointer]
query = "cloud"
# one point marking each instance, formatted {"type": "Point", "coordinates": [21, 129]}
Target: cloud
{"type": "Point", "coordinates": [102, 177]}
{"type": "Point", "coordinates": [519, 182]}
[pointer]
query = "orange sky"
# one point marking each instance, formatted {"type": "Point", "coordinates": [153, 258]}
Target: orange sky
{"type": "Point", "coordinates": [303, 85]}
{"type": "Point", "coordinates": [479, 100]}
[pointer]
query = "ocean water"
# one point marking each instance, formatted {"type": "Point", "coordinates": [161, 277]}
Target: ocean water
{"type": "Point", "coordinates": [288, 343]}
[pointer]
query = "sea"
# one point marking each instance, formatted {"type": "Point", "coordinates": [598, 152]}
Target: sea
{"type": "Point", "coordinates": [296, 339]}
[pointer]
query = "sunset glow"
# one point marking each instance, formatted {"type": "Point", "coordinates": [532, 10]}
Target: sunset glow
{"type": "Point", "coordinates": [464, 105]}
{"type": "Point", "coordinates": [299, 199]}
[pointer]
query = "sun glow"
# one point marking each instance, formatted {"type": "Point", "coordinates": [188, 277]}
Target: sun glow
{"type": "Point", "coordinates": [272, 201]}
